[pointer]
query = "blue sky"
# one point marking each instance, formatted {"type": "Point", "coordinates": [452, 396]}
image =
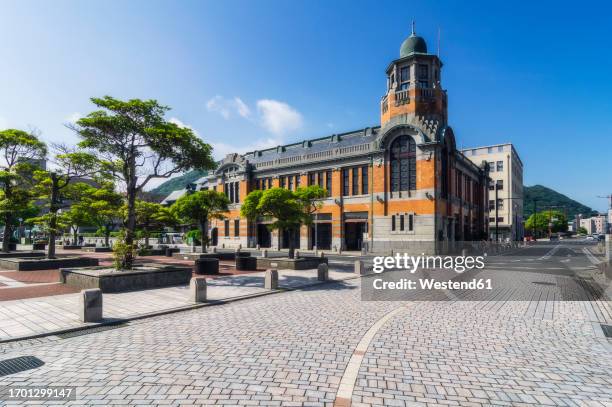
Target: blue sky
{"type": "Point", "coordinates": [249, 74]}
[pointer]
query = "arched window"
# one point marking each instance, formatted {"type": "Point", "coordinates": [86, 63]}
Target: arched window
{"type": "Point", "coordinates": [403, 164]}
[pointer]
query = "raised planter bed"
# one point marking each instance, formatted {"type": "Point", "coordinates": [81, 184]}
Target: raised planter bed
{"type": "Point", "coordinates": [96, 249]}
{"type": "Point", "coordinates": [152, 252]}
{"type": "Point", "coordinates": [246, 263]}
{"type": "Point", "coordinates": [142, 277]}
{"type": "Point", "coordinates": [71, 247]}
{"type": "Point", "coordinates": [39, 246]}
{"type": "Point", "coordinates": [207, 266]}
{"type": "Point", "coordinates": [25, 253]}
{"type": "Point", "coordinates": [28, 264]}
{"type": "Point", "coordinates": [302, 263]}
{"type": "Point", "coordinates": [194, 256]}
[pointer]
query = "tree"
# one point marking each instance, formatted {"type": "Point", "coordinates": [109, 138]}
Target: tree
{"type": "Point", "coordinates": [282, 205]}
{"type": "Point", "coordinates": [152, 216]}
{"type": "Point", "coordinates": [104, 206]}
{"type": "Point", "coordinates": [140, 145]}
{"type": "Point", "coordinates": [582, 230]}
{"type": "Point", "coordinates": [540, 222]}
{"type": "Point", "coordinates": [78, 215]}
{"type": "Point", "coordinates": [199, 208]}
{"type": "Point", "coordinates": [18, 149]}
{"type": "Point", "coordinates": [55, 185]}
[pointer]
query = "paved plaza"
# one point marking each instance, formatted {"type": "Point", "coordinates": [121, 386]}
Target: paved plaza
{"type": "Point", "coordinates": [323, 345]}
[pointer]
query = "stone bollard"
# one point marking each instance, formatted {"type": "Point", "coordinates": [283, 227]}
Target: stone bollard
{"type": "Point", "coordinates": [264, 253]}
{"type": "Point", "coordinates": [296, 254]}
{"type": "Point", "coordinates": [239, 246]}
{"type": "Point", "coordinates": [322, 255]}
{"type": "Point", "coordinates": [257, 247]}
{"type": "Point", "coordinates": [464, 252]}
{"type": "Point", "coordinates": [271, 280]}
{"type": "Point", "coordinates": [323, 272]}
{"type": "Point", "coordinates": [90, 305]}
{"type": "Point", "coordinates": [359, 268]}
{"type": "Point", "coordinates": [213, 250]}
{"type": "Point", "coordinates": [197, 289]}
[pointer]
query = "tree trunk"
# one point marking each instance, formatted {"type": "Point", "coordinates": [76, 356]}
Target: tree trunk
{"type": "Point", "coordinates": [53, 209]}
{"type": "Point", "coordinates": [203, 234]}
{"type": "Point", "coordinates": [75, 235]}
{"type": "Point", "coordinates": [6, 236]}
{"type": "Point", "coordinates": [8, 218]}
{"type": "Point", "coordinates": [107, 236]}
{"type": "Point", "coordinates": [146, 236]}
{"type": "Point", "coordinates": [130, 224]}
{"type": "Point", "coordinates": [291, 246]}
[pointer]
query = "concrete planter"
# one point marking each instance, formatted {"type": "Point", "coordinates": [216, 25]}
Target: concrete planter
{"type": "Point", "coordinates": [95, 249]}
{"type": "Point", "coordinates": [207, 266]}
{"type": "Point", "coordinates": [28, 264]}
{"type": "Point", "coordinates": [142, 277]}
{"type": "Point", "coordinates": [39, 246]}
{"type": "Point", "coordinates": [169, 252]}
{"type": "Point", "coordinates": [26, 254]}
{"type": "Point", "coordinates": [71, 247]}
{"type": "Point", "coordinates": [244, 263]}
{"type": "Point", "coordinates": [303, 263]}
{"type": "Point", "coordinates": [152, 252]}
{"type": "Point", "coordinates": [194, 256]}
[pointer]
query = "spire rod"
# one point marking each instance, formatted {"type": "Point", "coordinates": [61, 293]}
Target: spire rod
{"type": "Point", "coordinates": [412, 27]}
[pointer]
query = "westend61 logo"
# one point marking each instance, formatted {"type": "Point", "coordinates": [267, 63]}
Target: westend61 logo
{"type": "Point", "coordinates": [447, 267]}
{"type": "Point", "coordinates": [458, 264]}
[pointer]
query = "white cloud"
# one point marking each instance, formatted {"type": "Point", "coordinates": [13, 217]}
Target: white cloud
{"type": "Point", "coordinates": [278, 117]}
{"type": "Point", "coordinates": [221, 149]}
{"type": "Point", "coordinates": [243, 109]}
{"type": "Point", "coordinates": [227, 107]}
{"type": "Point", "coordinates": [74, 117]}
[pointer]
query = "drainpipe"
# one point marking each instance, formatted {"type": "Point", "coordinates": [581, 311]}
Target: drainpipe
{"type": "Point", "coordinates": [371, 186]}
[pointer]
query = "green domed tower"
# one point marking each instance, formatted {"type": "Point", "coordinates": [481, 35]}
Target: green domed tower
{"type": "Point", "coordinates": [414, 91]}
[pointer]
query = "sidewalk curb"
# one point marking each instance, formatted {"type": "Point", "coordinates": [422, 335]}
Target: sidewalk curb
{"type": "Point", "coordinates": [170, 311]}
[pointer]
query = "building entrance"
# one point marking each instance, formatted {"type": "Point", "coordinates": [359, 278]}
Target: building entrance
{"type": "Point", "coordinates": [353, 235]}
{"type": "Point", "coordinates": [321, 236]}
{"type": "Point", "coordinates": [264, 237]}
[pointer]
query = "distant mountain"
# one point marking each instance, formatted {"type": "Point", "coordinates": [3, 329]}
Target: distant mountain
{"type": "Point", "coordinates": [177, 183]}
{"type": "Point", "coordinates": [547, 197]}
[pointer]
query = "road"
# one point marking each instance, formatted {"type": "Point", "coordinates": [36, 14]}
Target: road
{"type": "Point", "coordinates": [324, 345]}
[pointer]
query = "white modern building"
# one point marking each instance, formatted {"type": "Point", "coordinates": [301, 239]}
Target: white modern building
{"type": "Point", "coordinates": [505, 190]}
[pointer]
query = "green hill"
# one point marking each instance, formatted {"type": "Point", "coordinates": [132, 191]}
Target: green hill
{"type": "Point", "coordinates": [547, 197]}
{"type": "Point", "coordinates": [178, 182]}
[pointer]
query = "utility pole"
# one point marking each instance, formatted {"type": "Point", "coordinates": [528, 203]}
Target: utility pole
{"type": "Point", "coordinates": [496, 217]}
{"type": "Point", "coordinates": [535, 216]}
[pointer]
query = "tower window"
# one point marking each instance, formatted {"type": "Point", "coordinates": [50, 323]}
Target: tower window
{"type": "Point", "coordinates": [423, 72]}
{"type": "Point", "coordinates": [364, 179]}
{"type": "Point", "coordinates": [328, 181]}
{"type": "Point", "coordinates": [355, 181]}
{"type": "Point", "coordinates": [345, 181]}
{"type": "Point", "coordinates": [403, 164]}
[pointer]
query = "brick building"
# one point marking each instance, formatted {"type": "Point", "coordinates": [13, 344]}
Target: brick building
{"type": "Point", "coordinates": [402, 185]}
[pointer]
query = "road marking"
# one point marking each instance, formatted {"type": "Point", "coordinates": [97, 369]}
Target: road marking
{"type": "Point", "coordinates": [550, 253]}
{"type": "Point", "coordinates": [590, 256]}
{"type": "Point", "coordinates": [347, 382]}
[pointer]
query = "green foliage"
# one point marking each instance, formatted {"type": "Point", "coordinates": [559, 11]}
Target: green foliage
{"type": "Point", "coordinates": [582, 230]}
{"type": "Point", "coordinates": [541, 221]}
{"type": "Point", "coordinates": [288, 209]}
{"type": "Point", "coordinates": [121, 251]}
{"type": "Point", "coordinates": [547, 197]}
{"type": "Point", "coordinates": [200, 206]}
{"type": "Point", "coordinates": [194, 235]}
{"type": "Point", "coordinates": [18, 149]}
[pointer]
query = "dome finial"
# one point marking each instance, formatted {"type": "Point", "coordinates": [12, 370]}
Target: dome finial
{"type": "Point", "coordinates": [413, 33]}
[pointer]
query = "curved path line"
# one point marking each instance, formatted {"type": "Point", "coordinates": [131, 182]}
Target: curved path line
{"type": "Point", "coordinates": [347, 382]}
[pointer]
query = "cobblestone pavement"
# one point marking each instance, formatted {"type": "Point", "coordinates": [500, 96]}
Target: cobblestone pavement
{"type": "Point", "coordinates": [293, 349]}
